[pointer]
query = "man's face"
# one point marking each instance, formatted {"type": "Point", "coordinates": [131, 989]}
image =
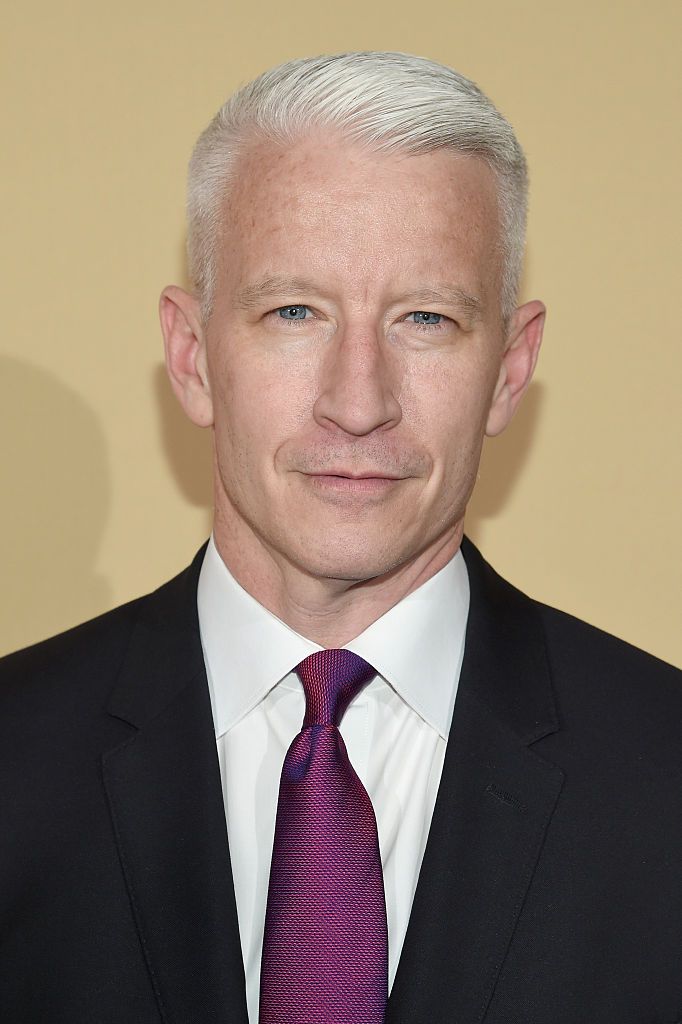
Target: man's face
{"type": "Point", "coordinates": [352, 353]}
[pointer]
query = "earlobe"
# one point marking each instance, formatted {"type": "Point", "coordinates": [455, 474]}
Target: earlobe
{"type": "Point", "coordinates": [185, 349]}
{"type": "Point", "coordinates": [518, 364]}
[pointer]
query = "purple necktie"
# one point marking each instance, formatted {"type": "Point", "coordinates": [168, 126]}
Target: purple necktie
{"type": "Point", "coordinates": [325, 948]}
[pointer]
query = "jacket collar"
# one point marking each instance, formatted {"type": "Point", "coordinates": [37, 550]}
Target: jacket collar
{"type": "Point", "coordinates": [164, 653]}
{"type": "Point", "coordinates": [505, 659]}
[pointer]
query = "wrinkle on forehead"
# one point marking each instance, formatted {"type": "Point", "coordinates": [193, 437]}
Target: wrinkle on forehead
{"type": "Point", "coordinates": [342, 171]}
{"type": "Point", "coordinates": [425, 219]}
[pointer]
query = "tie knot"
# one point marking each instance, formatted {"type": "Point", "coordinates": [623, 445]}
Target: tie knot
{"type": "Point", "coordinates": [330, 680]}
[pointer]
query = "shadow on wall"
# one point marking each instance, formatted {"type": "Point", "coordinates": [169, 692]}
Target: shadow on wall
{"type": "Point", "coordinates": [502, 463]}
{"type": "Point", "coordinates": [188, 449]}
{"type": "Point", "coordinates": [54, 463]}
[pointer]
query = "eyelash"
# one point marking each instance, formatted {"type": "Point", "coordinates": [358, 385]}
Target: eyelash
{"type": "Point", "coordinates": [428, 328]}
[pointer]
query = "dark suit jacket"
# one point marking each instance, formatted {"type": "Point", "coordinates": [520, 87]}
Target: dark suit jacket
{"type": "Point", "coordinates": [551, 888]}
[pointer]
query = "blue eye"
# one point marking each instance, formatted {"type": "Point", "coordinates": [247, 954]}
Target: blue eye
{"type": "Point", "coordinates": [293, 312]}
{"type": "Point", "coordinates": [421, 317]}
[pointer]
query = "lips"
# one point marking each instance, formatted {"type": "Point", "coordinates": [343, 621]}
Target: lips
{"type": "Point", "coordinates": [371, 474]}
{"type": "Point", "coordinates": [342, 487]}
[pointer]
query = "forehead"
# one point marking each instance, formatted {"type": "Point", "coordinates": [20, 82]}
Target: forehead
{"type": "Point", "coordinates": [325, 202]}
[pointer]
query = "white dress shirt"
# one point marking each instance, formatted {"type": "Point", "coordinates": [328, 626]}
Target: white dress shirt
{"type": "Point", "coordinates": [395, 730]}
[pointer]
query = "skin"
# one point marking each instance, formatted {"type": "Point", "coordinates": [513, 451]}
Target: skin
{"type": "Point", "coordinates": [347, 435]}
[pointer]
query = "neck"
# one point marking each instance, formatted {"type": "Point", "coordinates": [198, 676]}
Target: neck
{"type": "Point", "coordinates": [330, 612]}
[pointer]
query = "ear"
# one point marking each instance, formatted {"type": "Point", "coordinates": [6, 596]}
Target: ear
{"type": "Point", "coordinates": [185, 346]}
{"type": "Point", "coordinates": [518, 363]}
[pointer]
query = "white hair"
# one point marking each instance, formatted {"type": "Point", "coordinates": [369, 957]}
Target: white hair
{"type": "Point", "coordinates": [388, 102]}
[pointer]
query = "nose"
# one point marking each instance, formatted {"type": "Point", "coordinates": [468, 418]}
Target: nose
{"type": "Point", "coordinates": [358, 384]}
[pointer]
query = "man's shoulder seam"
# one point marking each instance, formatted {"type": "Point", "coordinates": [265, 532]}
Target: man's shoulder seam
{"type": "Point", "coordinates": [555, 621]}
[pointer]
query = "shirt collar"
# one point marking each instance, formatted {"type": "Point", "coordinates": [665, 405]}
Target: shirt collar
{"type": "Point", "coordinates": [417, 646]}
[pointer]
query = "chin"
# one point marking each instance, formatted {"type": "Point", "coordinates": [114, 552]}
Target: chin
{"type": "Point", "coordinates": [342, 563]}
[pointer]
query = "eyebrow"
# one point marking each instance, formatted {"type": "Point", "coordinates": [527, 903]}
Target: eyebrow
{"type": "Point", "coordinates": [449, 296]}
{"type": "Point", "coordinates": [252, 295]}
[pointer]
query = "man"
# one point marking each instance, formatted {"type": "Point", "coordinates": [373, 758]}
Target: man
{"type": "Point", "coordinates": [479, 819]}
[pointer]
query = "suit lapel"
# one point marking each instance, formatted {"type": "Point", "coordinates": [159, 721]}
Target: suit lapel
{"type": "Point", "coordinates": [494, 804]}
{"type": "Point", "coordinates": [164, 791]}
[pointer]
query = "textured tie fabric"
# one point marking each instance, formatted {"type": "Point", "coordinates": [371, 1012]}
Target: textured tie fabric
{"type": "Point", "coordinates": [325, 947]}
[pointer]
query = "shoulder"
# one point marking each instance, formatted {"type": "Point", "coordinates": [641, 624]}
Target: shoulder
{"type": "Point", "coordinates": [611, 688]}
{"type": "Point", "coordinates": [572, 644]}
{"type": "Point", "coordinates": [602, 686]}
{"type": "Point", "coordinates": [575, 644]}
{"type": "Point", "coordinates": [84, 661]}
{"type": "Point", "coordinates": [88, 654]}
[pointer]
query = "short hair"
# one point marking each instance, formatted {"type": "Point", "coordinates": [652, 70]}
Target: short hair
{"type": "Point", "coordinates": [385, 101]}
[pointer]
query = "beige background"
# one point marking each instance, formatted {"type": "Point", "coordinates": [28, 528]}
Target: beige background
{"type": "Point", "coordinates": [105, 488]}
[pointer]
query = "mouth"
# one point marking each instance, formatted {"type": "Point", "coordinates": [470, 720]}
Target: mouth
{"type": "Point", "coordinates": [366, 483]}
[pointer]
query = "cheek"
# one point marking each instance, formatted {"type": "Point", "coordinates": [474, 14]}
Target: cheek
{"type": "Point", "coordinates": [259, 401]}
{"type": "Point", "coordinates": [447, 405]}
